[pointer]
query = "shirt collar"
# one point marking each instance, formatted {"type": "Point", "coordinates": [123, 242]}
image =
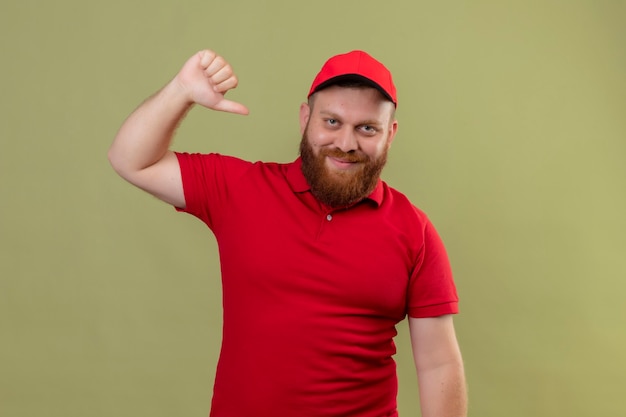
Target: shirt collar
{"type": "Point", "coordinates": [298, 183]}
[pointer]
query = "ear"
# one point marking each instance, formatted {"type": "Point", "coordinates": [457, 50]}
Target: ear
{"type": "Point", "coordinates": [393, 129]}
{"type": "Point", "coordinates": [305, 112]}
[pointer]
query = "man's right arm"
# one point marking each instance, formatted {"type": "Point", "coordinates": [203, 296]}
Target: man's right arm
{"type": "Point", "coordinates": [140, 152]}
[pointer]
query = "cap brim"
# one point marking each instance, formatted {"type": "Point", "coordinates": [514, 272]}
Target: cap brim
{"type": "Point", "coordinates": [352, 77]}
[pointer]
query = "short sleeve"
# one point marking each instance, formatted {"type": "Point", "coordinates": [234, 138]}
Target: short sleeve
{"type": "Point", "coordinates": [432, 291]}
{"type": "Point", "coordinates": [207, 179]}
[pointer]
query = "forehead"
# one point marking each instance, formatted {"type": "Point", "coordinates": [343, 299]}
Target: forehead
{"type": "Point", "coordinates": [360, 101]}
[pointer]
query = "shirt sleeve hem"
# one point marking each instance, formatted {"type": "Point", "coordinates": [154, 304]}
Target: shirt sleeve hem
{"type": "Point", "coordinates": [434, 310]}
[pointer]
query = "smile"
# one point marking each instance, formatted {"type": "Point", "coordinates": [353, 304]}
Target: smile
{"type": "Point", "coordinates": [341, 164]}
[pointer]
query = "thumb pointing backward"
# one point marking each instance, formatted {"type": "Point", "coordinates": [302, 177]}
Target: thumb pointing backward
{"type": "Point", "coordinates": [231, 107]}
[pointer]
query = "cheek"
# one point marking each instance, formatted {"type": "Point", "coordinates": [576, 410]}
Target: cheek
{"type": "Point", "coordinates": [375, 149]}
{"type": "Point", "coordinates": [319, 137]}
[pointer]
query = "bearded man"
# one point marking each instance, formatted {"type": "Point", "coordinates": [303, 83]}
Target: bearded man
{"type": "Point", "coordinates": [320, 258]}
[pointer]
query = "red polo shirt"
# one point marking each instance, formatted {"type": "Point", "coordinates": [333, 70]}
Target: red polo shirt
{"type": "Point", "coordinates": [311, 296]}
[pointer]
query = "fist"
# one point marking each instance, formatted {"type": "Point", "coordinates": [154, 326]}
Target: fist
{"type": "Point", "coordinates": [205, 78]}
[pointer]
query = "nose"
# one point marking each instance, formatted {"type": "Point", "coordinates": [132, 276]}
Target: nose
{"type": "Point", "coordinates": [346, 140]}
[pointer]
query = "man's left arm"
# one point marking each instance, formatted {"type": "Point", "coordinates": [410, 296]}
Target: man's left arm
{"type": "Point", "coordinates": [439, 366]}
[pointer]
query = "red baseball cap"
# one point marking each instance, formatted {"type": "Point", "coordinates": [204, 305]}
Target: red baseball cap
{"type": "Point", "coordinates": [356, 65]}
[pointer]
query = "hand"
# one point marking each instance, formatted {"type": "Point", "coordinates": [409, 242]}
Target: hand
{"type": "Point", "coordinates": [205, 78]}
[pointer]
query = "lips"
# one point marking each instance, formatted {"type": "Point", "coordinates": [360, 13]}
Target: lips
{"type": "Point", "coordinates": [341, 163]}
{"type": "Point", "coordinates": [343, 157]}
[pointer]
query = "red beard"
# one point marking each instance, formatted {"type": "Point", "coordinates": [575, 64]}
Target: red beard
{"type": "Point", "coordinates": [336, 188]}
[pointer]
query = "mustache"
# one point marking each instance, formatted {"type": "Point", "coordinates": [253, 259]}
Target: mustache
{"type": "Point", "coordinates": [345, 156]}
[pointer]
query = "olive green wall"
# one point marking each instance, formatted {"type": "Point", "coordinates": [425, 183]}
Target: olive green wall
{"type": "Point", "coordinates": [512, 137]}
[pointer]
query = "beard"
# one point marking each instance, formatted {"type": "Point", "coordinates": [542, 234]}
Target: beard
{"type": "Point", "coordinates": [339, 188]}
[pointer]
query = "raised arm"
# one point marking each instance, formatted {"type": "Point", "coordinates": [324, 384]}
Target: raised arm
{"type": "Point", "coordinates": [140, 152]}
{"type": "Point", "coordinates": [439, 367]}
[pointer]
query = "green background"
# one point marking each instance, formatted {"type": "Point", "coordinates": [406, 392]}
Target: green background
{"type": "Point", "coordinates": [512, 138]}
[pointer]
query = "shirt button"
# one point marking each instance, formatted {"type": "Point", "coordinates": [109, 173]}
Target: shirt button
{"type": "Point", "coordinates": [329, 217]}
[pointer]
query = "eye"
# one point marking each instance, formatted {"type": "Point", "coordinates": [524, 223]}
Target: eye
{"type": "Point", "coordinates": [368, 129]}
{"type": "Point", "coordinates": [332, 123]}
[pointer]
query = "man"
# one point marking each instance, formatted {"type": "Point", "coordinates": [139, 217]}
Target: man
{"type": "Point", "coordinates": [320, 258]}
